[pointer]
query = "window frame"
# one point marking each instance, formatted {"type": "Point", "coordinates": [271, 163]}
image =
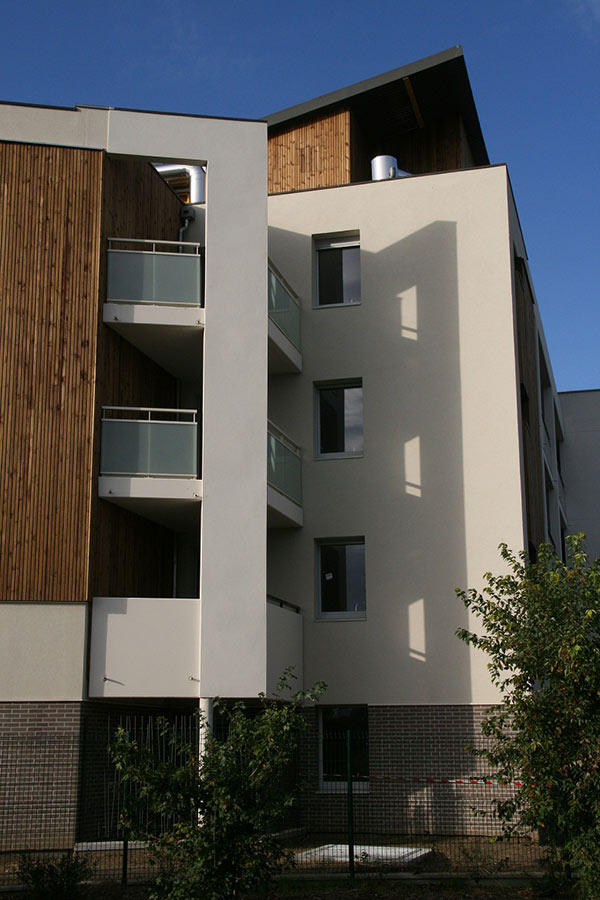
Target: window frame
{"type": "Point", "coordinates": [346, 241]}
{"type": "Point", "coordinates": [344, 384]}
{"type": "Point", "coordinates": [345, 615]}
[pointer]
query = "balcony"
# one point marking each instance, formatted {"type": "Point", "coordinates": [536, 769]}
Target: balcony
{"type": "Point", "coordinates": [284, 480]}
{"type": "Point", "coordinates": [150, 646]}
{"type": "Point", "coordinates": [154, 299]}
{"type": "Point", "coordinates": [168, 277]}
{"type": "Point", "coordinates": [284, 326]}
{"type": "Point", "coordinates": [149, 463]}
{"type": "Point", "coordinates": [284, 642]}
{"type": "Point", "coordinates": [145, 647]}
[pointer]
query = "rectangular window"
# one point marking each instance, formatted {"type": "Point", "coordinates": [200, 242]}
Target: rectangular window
{"type": "Point", "coordinates": [335, 723]}
{"type": "Point", "coordinates": [340, 419]}
{"type": "Point", "coordinates": [338, 272]}
{"type": "Point", "coordinates": [341, 579]}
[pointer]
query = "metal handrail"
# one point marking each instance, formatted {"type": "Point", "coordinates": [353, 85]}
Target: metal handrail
{"type": "Point", "coordinates": [283, 438]}
{"type": "Point", "coordinates": [277, 601]}
{"type": "Point", "coordinates": [289, 290]}
{"type": "Point", "coordinates": [150, 410]}
{"type": "Point", "coordinates": [192, 245]}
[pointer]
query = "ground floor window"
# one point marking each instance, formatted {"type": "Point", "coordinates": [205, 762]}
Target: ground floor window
{"type": "Point", "coordinates": [338, 727]}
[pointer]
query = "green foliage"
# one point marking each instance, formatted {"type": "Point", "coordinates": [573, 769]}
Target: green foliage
{"type": "Point", "coordinates": [224, 802]}
{"type": "Point", "coordinates": [541, 633]}
{"type": "Point", "coordinates": [54, 879]}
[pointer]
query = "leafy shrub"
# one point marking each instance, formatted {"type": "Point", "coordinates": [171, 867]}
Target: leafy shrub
{"type": "Point", "coordinates": [55, 879]}
{"type": "Point", "coordinates": [223, 803]}
{"type": "Point", "coordinates": [541, 633]}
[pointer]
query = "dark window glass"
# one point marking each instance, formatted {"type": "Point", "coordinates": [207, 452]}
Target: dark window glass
{"type": "Point", "coordinates": [341, 419]}
{"type": "Point", "coordinates": [338, 275]}
{"type": "Point", "coordinates": [336, 721]}
{"type": "Point", "coordinates": [342, 578]}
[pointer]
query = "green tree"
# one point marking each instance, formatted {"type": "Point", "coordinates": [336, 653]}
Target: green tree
{"type": "Point", "coordinates": [541, 632]}
{"type": "Point", "coordinates": [223, 803]}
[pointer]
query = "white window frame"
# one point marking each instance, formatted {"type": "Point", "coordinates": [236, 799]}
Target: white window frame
{"type": "Point", "coordinates": [330, 385]}
{"type": "Point", "coordinates": [336, 242]}
{"type": "Point", "coordinates": [344, 615]}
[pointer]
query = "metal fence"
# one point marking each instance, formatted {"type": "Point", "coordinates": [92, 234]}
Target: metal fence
{"type": "Point", "coordinates": [357, 815]}
{"type": "Point", "coordinates": [60, 794]}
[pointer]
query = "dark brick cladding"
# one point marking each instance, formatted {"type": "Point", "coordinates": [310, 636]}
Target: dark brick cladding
{"type": "Point", "coordinates": [413, 750]}
{"type": "Point", "coordinates": [55, 785]}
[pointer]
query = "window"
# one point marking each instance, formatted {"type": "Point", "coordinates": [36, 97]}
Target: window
{"type": "Point", "coordinates": [338, 272]}
{"type": "Point", "coordinates": [334, 724]}
{"type": "Point", "coordinates": [339, 419]}
{"type": "Point", "coordinates": [341, 579]}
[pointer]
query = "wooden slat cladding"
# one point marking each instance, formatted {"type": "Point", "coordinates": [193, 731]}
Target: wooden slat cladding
{"type": "Point", "coordinates": [338, 149]}
{"type": "Point", "coordinates": [438, 147]}
{"type": "Point", "coordinates": [527, 341]}
{"type": "Point", "coordinates": [130, 556]}
{"type": "Point", "coordinates": [49, 250]}
{"type": "Point", "coordinates": [314, 154]}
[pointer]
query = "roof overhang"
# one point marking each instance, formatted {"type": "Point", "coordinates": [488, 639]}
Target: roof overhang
{"type": "Point", "coordinates": [415, 94]}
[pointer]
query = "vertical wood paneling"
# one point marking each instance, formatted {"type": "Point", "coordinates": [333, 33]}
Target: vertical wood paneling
{"type": "Point", "coordinates": [130, 555]}
{"type": "Point", "coordinates": [315, 154]}
{"type": "Point", "coordinates": [527, 342]}
{"type": "Point", "coordinates": [438, 147]}
{"type": "Point", "coordinates": [338, 148]}
{"type": "Point", "coordinates": [49, 241]}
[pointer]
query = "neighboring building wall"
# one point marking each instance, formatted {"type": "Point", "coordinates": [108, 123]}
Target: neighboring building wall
{"type": "Point", "coordinates": [581, 464]}
{"type": "Point", "coordinates": [440, 483]}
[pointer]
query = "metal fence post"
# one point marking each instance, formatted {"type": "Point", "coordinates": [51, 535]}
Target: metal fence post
{"type": "Point", "coordinates": [124, 859]}
{"type": "Point", "coordinates": [350, 805]}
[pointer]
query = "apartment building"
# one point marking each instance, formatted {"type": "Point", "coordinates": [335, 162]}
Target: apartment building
{"type": "Point", "coordinates": [275, 424]}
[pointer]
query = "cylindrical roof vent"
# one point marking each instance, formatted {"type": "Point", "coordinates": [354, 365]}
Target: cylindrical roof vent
{"type": "Point", "coordinates": [383, 167]}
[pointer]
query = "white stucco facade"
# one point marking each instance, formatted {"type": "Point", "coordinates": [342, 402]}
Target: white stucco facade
{"type": "Point", "coordinates": [439, 483]}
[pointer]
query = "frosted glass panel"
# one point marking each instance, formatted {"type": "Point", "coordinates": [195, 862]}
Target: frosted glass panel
{"type": "Point", "coordinates": [149, 448]}
{"type": "Point", "coordinates": [154, 277]}
{"type": "Point", "coordinates": [284, 469]}
{"type": "Point", "coordinates": [284, 309]}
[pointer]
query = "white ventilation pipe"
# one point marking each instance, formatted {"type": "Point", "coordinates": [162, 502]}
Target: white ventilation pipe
{"type": "Point", "coordinates": [385, 167]}
{"type": "Point", "coordinates": [196, 174]}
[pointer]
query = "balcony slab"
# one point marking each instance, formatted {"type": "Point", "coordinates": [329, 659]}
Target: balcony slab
{"type": "Point", "coordinates": [173, 503]}
{"type": "Point", "coordinates": [281, 511]}
{"type": "Point", "coordinates": [170, 335]}
{"type": "Point", "coordinates": [284, 357]}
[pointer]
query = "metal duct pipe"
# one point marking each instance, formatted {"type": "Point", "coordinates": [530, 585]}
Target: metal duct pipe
{"type": "Point", "coordinates": [385, 167]}
{"type": "Point", "coordinates": [196, 174]}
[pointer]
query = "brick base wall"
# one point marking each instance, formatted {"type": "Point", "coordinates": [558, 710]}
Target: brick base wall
{"type": "Point", "coordinates": [420, 769]}
{"type": "Point", "coordinates": [56, 787]}
{"type": "Point", "coordinates": [39, 774]}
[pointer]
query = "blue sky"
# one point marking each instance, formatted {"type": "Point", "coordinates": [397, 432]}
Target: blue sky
{"type": "Point", "coordinates": [534, 67]}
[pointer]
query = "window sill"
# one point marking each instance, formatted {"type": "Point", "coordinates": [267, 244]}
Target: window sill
{"type": "Point", "coordinates": [341, 787]}
{"type": "Point", "coordinates": [321, 456]}
{"type": "Point", "coordinates": [341, 617]}
{"type": "Point", "coordinates": [336, 305]}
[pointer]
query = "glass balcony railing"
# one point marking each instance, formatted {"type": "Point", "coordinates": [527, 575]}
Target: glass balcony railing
{"type": "Point", "coordinates": [284, 308]}
{"type": "Point", "coordinates": [284, 465]}
{"type": "Point", "coordinates": [141, 273]}
{"type": "Point", "coordinates": [149, 442]}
